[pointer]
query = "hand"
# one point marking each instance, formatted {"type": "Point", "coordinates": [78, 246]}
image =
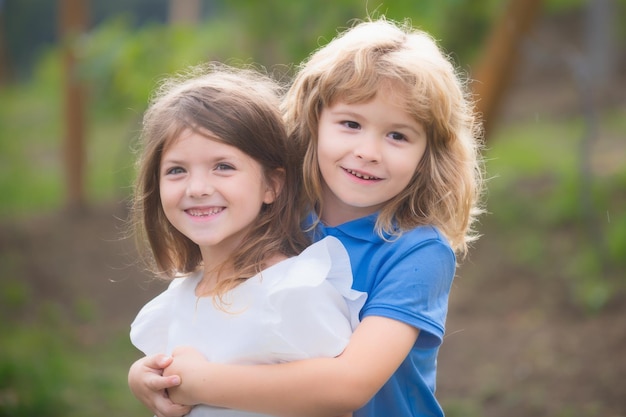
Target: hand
{"type": "Point", "coordinates": [148, 385]}
{"type": "Point", "coordinates": [185, 362]}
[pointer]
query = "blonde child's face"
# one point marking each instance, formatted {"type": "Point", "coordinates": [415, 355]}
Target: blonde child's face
{"type": "Point", "coordinates": [211, 192]}
{"type": "Point", "coordinates": [367, 154]}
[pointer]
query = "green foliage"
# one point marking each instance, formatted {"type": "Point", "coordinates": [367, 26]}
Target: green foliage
{"type": "Point", "coordinates": [616, 235]}
{"type": "Point", "coordinates": [29, 152]}
{"type": "Point", "coordinates": [563, 5]}
{"type": "Point", "coordinates": [33, 367]}
{"type": "Point", "coordinates": [562, 225]}
{"type": "Point", "coordinates": [588, 284]}
{"type": "Point", "coordinates": [461, 408]}
{"type": "Point", "coordinates": [121, 65]}
{"type": "Point", "coordinates": [46, 370]}
{"type": "Point", "coordinates": [14, 294]}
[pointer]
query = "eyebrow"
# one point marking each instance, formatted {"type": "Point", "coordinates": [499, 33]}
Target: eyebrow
{"type": "Point", "coordinates": [352, 114]}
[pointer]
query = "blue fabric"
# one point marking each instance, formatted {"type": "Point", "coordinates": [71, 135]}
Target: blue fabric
{"type": "Point", "coordinates": [406, 279]}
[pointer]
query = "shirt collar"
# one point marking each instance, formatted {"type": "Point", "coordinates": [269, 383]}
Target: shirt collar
{"type": "Point", "coordinates": [362, 228]}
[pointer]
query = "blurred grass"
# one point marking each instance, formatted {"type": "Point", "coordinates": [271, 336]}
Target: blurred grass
{"type": "Point", "coordinates": [47, 370]}
{"type": "Point", "coordinates": [563, 223]}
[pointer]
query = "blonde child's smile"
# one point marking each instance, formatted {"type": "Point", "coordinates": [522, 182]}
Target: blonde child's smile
{"type": "Point", "coordinates": [367, 153]}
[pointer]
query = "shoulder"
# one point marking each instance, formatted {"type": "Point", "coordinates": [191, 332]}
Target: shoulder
{"type": "Point", "coordinates": [311, 267]}
{"type": "Point", "coordinates": [423, 238]}
{"type": "Point", "coordinates": [424, 234]}
{"type": "Point", "coordinates": [414, 252]}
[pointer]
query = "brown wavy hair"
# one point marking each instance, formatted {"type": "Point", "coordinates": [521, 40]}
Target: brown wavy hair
{"type": "Point", "coordinates": [368, 59]}
{"type": "Point", "coordinates": [238, 107]}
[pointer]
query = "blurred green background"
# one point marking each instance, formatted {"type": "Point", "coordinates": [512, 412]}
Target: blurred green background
{"type": "Point", "coordinates": [536, 321]}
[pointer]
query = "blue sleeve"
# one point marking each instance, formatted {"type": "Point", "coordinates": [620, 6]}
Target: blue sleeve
{"type": "Point", "coordinates": [413, 285]}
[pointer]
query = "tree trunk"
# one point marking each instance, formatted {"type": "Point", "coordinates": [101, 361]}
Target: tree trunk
{"type": "Point", "coordinates": [72, 23]}
{"type": "Point", "coordinates": [496, 66]}
{"type": "Point", "coordinates": [600, 45]}
{"type": "Point", "coordinates": [186, 12]}
{"type": "Point", "coordinates": [6, 74]}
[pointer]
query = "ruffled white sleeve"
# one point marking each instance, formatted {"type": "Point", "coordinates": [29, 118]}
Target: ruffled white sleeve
{"type": "Point", "coordinates": [314, 307]}
{"type": "Point", "coordinates": [149, 330]}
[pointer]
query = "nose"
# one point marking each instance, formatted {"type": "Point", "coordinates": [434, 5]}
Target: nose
{"type": "Point", "coordinates": [368, 149]}
{"type": "Point", "coordinates": [199, 185]}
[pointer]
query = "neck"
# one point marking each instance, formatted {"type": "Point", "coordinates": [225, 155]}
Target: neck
{"type": "Point", "coordinates": [211, 277]}
{"type": "Point", "coordinates": [336, 211]}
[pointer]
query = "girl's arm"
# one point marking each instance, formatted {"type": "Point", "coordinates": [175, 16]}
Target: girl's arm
{"type": "Point", "coordinates": [312, 387]}
{"type": "Point", "coordinates": [149, 386]}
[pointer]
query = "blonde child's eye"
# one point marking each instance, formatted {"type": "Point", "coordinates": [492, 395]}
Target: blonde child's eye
{"type": "Point", "coordinates": [350, 124]}
{"type": "Point", "coordinates": [397, 136]}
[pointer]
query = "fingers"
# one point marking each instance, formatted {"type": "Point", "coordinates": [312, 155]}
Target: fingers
{"type": "Point", "coordinates": [166, 408]}
{"type": "Point", "coordinates": [148, 385]}
{"type": "Point", "coordinates": [158, 361]}
{"type": "Point", "coordinates": [161, 383]}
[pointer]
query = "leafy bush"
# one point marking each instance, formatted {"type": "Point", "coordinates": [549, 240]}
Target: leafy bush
{"type": "Point", "coordinates": [562, 224]}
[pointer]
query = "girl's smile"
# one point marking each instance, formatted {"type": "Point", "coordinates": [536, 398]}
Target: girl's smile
{"type": "Point", "coordinates": [204, 213]}
{"type": "Point", "coordinates": [211, 192]}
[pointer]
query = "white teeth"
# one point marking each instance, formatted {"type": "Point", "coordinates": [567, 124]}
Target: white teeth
{"type": "Point", "coordinates": [198, 213]}
{"type": "Point", "coordinates": [359, 175]}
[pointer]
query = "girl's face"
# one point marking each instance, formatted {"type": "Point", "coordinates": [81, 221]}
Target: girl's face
{"type": "Point", "coordinates": [367, 153]}
{"type": "Point", "coordinates": [211, 192]}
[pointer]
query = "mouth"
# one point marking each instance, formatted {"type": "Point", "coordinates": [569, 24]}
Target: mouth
{"type": "Point", "coordinates": [361, 176]}
{"type": "Point", "coordinates": [204, 212]}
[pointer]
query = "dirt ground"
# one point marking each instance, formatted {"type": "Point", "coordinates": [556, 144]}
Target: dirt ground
{"type": "Point", "coordinates": [514, 347]}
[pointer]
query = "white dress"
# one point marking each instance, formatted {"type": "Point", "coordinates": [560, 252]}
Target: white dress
{"type": "Point", "coordinates": [302, 307]}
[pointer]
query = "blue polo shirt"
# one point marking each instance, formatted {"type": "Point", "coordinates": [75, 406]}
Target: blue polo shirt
{"type": "Point", "coordinates": [406, 279]}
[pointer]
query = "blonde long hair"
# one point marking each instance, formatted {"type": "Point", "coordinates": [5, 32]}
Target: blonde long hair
{"type": "Point", "coordinates": [363, 61]}
{"type": "Point", "coordinates": [238, 107]}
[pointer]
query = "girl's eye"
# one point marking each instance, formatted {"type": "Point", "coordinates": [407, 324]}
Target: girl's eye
{"type": "Point", "coordinates": [351, 125]}
{"type": "Point", "coordinates": [174, 171]}
{"type": "Point", "coordinates": [397, 136]}
{"type": "Point", "coordinates": [223, 167]}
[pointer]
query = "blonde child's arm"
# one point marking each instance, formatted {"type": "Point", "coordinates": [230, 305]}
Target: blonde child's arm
{"type": "Point", "coordinates": [312, 387]}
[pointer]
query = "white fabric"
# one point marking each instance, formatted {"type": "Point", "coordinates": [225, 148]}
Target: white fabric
{"type": "Point", "coordinates": [300, 308]}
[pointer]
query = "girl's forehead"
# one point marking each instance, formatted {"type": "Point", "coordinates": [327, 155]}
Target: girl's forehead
{"type": "Point", "coordinates": [182, 131]}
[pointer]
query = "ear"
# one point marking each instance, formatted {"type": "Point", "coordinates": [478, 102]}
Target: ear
{"type": "Point", "coordinates": [275, 182]}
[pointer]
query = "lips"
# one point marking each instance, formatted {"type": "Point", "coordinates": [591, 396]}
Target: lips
{"type": "Point", "coordinates": [361, 175]}
{"type": "Point", "coordinates": [203, 212]}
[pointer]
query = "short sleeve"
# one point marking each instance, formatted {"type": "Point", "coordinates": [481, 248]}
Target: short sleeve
{"type": "Point", "coordinates": [414, 287]}
{"type": "Point", "coordinates": [149, 330]}
{"type": "Point", "coordinates": [314, 307]}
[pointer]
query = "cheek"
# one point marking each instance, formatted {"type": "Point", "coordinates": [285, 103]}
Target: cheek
{"type": "Point", "coordinates": [406, 168]}
{"type": "Point", "coordinates": [326, 153]}
{"type": "Point", "coordinates": [167, 194]}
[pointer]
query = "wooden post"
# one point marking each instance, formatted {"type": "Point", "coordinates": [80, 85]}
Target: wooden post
{"type": "Point", "coordinates": [72, 23]}
{"type": "Point", "coordinates": [184, 12]}
{"type": "Point", "coordinates": [5, 64]}
{"type": "Point", "coordinates": [496, 66]}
